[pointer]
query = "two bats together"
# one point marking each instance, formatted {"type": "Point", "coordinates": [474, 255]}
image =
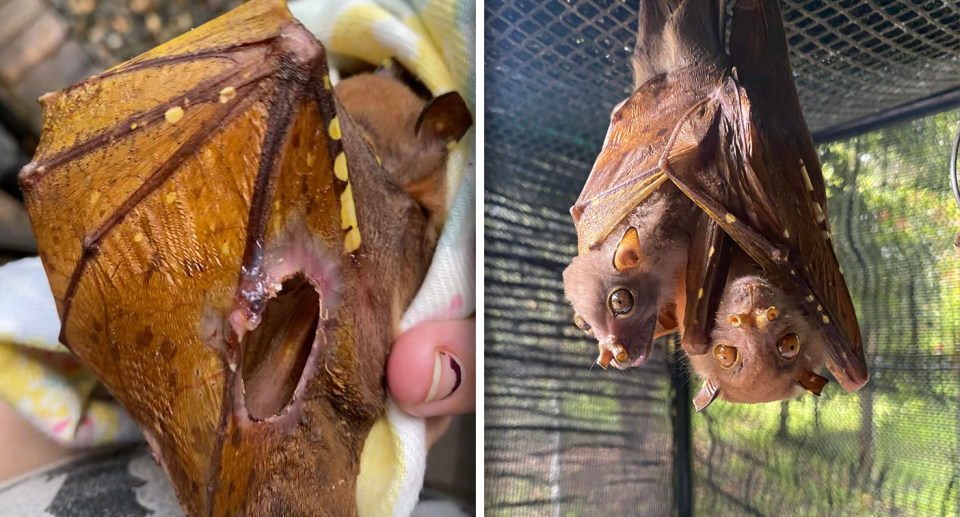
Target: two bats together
{"type": "Point", "coordinates": [705, 212]}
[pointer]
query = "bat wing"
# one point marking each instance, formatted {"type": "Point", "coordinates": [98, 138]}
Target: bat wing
{"type": "Point", "coordinates": [759, 54]}
{"type": "Point", "coordinates": [750, 179]}
{"type": "Point", "coordinates": [214, 229]}
{"type": "Point", "coordinates": [626, 172]}
{"type": "Point", "coordinates": [758, 49]}
{"type": "Point", "coordinates": [707, 264]}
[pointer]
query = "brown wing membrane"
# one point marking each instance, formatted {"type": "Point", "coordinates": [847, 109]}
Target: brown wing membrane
{"type": "Point", "coordinates": [707, 265]}
{"type": "Point", "coordinates": [228, 258]}
{"type": "Point", "coordinates": [677, 57]}
{"type": "Point", "coordinates": [626, 171]}
{"type": "Point", "coordinates": [729, 158]}
{"type": "Point", "coordinates": [759, 50]}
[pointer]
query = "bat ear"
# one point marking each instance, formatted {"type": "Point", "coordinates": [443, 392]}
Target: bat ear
{"type": "Point", "coordinates": [812, 382]}
{"type": "Point", "coordinates": [707, 394]}
{"type": "Point", "coordinates": [444, 120]}
{"type": "Point", "coordinates": [628, 252]}
{"type": "Point", "coordinates": [667, 318]}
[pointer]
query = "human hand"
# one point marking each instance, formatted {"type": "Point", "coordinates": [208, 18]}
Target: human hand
{"type": "Point", "coordinates": [431, 372]}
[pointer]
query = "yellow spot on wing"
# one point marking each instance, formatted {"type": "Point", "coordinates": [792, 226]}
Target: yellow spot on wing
{"type": "Point", "coordinates": [826, 319]}
{"type": "Point", "coordinates": [340, 167]}
{"type": "Point", "coordinates": [310, 159]}
{"type": "Point", "coordinates": [133, 126]}
{"type": "Point", "coordinates": [351, 241]}
{"type": "Point", "coordinates": [700, 294]}
{"type": "Point", "coordinates": [731, 218]}
{"type": "Point", "coordinates": [171, 197]}
{"type": "Point", "coordinates": [326, 82]}
{"type": "Point", "coordinates": [818, 212]}
{"type": "Point", "coordinates": [810, 298]}
{"type": "Point", "coordinates": [174, 114]}
{"type": "Point", "coordinates": [348, 220]}
{"type": "Point", "coordinates": [227, 94]}
{"type": "Point", "coordinates": [806, 177]}
{"type": "Point", "coordinates": [225, 248]}
{"type": "Point", "coordinates": [94, 197]}
{"type": "Point", "coordinates": [138, 237]}
{"type": "Point", "coordinates": [334, 129]}
{"type": "Point", "coordinates": [348, 211]}
{"type": "Point", "coordinates": [710, 253]}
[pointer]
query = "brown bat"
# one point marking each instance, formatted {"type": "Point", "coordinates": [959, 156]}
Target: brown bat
{"type": "Point", "coordinates": [230, 259]}
{"type": "Point", "coordinates": [769, 340]}
{"type": "Point", "coordinates": [742, 153]}
{"type": "Point", "coordinates": [765, 347]}
{"type": "Point", "coordinates": [631, 259]}
{"type": "Point", "coordinates": [623, 291]}
{"type": "Point", "coordinates": [409, 135]}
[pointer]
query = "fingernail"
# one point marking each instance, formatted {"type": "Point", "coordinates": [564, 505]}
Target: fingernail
{"type": "Point", "coordinates": [447, 376]}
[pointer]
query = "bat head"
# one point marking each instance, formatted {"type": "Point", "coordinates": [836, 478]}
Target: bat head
{"type": "Point", "coordinates": [764, 347]}
{"type": "Point", "coordinates": [616, 292]}
{"type": "Point", "coordinates": [411, 136]}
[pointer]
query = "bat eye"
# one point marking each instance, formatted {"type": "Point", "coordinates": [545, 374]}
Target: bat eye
{"type": "Point", "coordinates": [621, 302]}
{"type": "Point", "coordinates": [581, 323]}
{"type": "Point", "coordinates": [726, 355]}
{"type": "Point", "coordinates": [789, 346]}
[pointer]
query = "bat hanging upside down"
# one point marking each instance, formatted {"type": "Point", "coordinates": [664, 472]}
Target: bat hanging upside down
{"type": "Point", "coordinates": [231, 247]}
{"type": "Point", "coordinates": [707, 206]}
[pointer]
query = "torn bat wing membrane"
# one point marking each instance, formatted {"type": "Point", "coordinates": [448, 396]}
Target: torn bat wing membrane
{"type": "Point", "coordinates": [626, 171]}
{"type": "Point", "coordinates": [728, 157]}
{"type": "Point", "coordinates": [227, 256]}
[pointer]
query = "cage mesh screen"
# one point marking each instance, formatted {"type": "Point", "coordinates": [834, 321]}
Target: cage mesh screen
{"type": "Point", "coordinates": [563, 439]}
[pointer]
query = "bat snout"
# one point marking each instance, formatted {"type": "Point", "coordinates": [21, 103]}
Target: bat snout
{"type": "Point", "coordinates": [751, 302]}
{"type": "Point", "coordinates": [621, 356]}
{"type": "Point", "coordinates": [611, 351]}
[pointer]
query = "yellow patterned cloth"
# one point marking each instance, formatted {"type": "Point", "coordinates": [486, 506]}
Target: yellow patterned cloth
{"type": "Point", "coordinates": [39, 378]}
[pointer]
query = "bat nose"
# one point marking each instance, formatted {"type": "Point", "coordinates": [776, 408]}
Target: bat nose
{"type": "Point", "coordinates": [740, 320]}
{"type": "Point", "coordinates": [609, 351]}
{"type": "Point", "coordinates": [758, 317]}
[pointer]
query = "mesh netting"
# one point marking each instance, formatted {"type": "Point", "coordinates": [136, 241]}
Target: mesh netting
{"type": "Point", "coordinates": [564, 440]}
{"type": "Point", "coordinates": [559, 434]}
